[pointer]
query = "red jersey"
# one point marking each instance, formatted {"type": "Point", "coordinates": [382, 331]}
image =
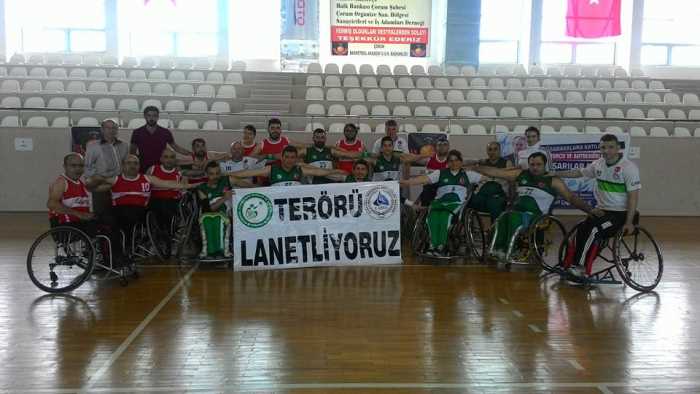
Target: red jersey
{"type": "Point", "coordinates": [436, 164]}
{"type": "Point", "coordinates": [273, 148]}
{"type": "Point", "coordinates": [168, 175]}
{"type": "Point", "coordinates": [198, 175]}
{"type": "Point", "coordinates": [357, 146]}
{"type": "Point", "coordinates": [76, 197]}
{"type": "Point", "coordinates": [248, 150]}
{"type": "Point", "coordinates": [131, 192]}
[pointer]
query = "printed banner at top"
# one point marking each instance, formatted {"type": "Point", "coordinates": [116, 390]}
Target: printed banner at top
{"type": "Point", "coordinates": [380, 27]}
{"type": "Point", "coordinates": [317, 225]}
{"type": "Point", "coordinates": [567, 152]}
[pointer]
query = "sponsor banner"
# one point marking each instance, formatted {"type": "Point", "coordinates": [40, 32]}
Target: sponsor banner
{"type": "Point", "coordinates": [342, 224]}
{"type": "Point", "coordinates": [567, 152]}
{"type": "Point", "coordinates": [299, 33]}
{"type": "Point", "coordinates": [380, 27]}
{"type": "Point", "coordinates": [81, 136]}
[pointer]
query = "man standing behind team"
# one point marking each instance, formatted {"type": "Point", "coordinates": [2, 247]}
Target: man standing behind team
{"type": "Point", "coordinates": [150, 140]}
{"type": "Point", "coordinates": [349, 143]}
{"type": "Point", "coordinates": [104, 158]}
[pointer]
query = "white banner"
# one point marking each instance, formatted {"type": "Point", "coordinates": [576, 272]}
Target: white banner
{"type": "Point", "coordinates": [395, 28]}
{"type": "Point", "coordinates": [340, 224]}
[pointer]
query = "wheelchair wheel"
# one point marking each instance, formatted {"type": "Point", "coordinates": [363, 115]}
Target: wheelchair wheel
{"type": "Point", "coordinates": [638, 259]}
{"type": "Point", "coordinates": [60, 260]}
{"type": "Point", "coordinates": [475, 233]}
{"type": "Point", "coordinates": [420, 237]}
{"type": "Point", "coordinates": [160, 239]}
{"type": "Point", "coordinates": [546, 237]}
{"type": "Point", "coordinates": [564, 247]}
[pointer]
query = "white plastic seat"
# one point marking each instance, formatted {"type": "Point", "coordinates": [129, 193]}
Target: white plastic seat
{"type": "Point", "coordinates": [604, 72]}
{"type": "Point", "coordinates": [195, 76]}
{"type": "Point", "coordinates": [585, 84]}
{"type": "Point", "coordinates": [637, 73]}
{"type": "Point", "coordinates": [37, 121]}
{"type": "Point", "coordinates": [18, 72]}
{"type": "Point", "coordinates": [451, 70]}
{"type": "Point", "coordinates": [176, 76]}
{"type": "Point", "coordinates": [554, 71]}
{"type": "Point", "coordinates": [691, 99]}
{"type": "Point", "coordinates": [128, 104]}
{"type": "Point", "coordinates": [568, 129]}
{"type": "Point", "coordinates": [494, 96]}
{"type": "Point", "coordinates": [359, 110]}
{"type": "Point", "coordinates": [376, 95]}
{"type": "Point", "coordinates": [97, 73]}
{"type": "Point", "coordinates": [157, 75]}
{"type": "Point", "coordinates": [141, 88]}
{"type": "Point", "coordinates": [217, 77]}
{"type": "Point", "coordinates": [635, 113]}
{"type": "Point", "coordinates": [9, 121]}
{"type": "Point", "coordinates": [336, 128]}
{"type": "Point", "coordinates": [442, 83]}
{"type": "Point", "coordinates": [594, 98]}
{"type": "Point", "coordinates": [656, 113]}
{"type": "Point", "coordinates": [496, 83]}
{"type": "Point", "coordinates": [547, 129]}
{"type": "Point", "coordinates": [422, 110]}
{"type": "Point", "coordinates": [613, 98]}
{"type": "Point", "coordinates": [475, 96]}
{"type": "Point", "coordinates": [395, 96]}
{"type": "Point", "coordinates": [620, 73]}
{"type": "Point", "coordinates": [81, 103]}
{"type": "Point", "coordinates": [310, 127]}
{"type": "Point", "coordinates": [676, 114]}
{"type": "Point", "coordinates": [476, 129]}
{"type": "Point", "coordinates": [355, 94]}
{"type": "Point", "coordinates": [614, 113]}
{"type": "Point", "coordinates": [220, 107]}
{"type": "Point", "coordinates": [34, 102]}
{"type": "Point", "coordinates": [331, 68]}
{"type": "Point", "coordinates": [614, 130]}
{"type": "Point", "coordinates": [681, 132]}
{"type": "Point", "coordinates": [105, 104]}
{"type": "Point", "coordinates": [435, 96]}
{"type": "Point", "coordinates": [38, 72]}
{"type": "Point", "coordinates": [514, 83]}
{"type": "Point", "coordinates": [468, 71]}
{"type": "Point", "coordinates": [466, 112]}
{"type": "Point", "coordinates": [424, 83]}
{"type": "Point", "coordinates": [551, 112]}
{"type": "Point", "coordinates": [57, 103]}
{"type": "Point", "coordinates": [369, 82]}
{"type": "Point", "coordinates": [314, 94]}
{"type": "Point", "coordinates": [76, 87]}
{"type": "Point", "coordinates": [117, 74]}
{"type": "Point", "coordinates": [402, 110]}
{"type": "Point", "coordinates": [592, 130]}
{"type": "Point", "coordinates": [366, 69]}
{"type": "Point", "coordinates": [16, 102]}
{"type": "Point", "coordinates": [593, 113]}
{"type": "Point", "coordinates": [333, 81]}
{"type": "Point", "coordinates": [633, 98]}
{"type": "Point", "coordinates": [163, 89]}
{"type": "Point", "coordinates": [656, 85]}
{"type": "Point", "coordinates": [226, 91]}
{"type": "Point", "coordinates": [430, 128]}
{"type": "Point", "coordinates": [500, 129]}
{"type": "Point", "coordinates": [639, 85]}
{"type": "Point", "coordinates": [348, 69]}
{"type": "Point", "coordinates": [550, 84]}
{"type": "Point", "coordinates": [383, 69]}
{"type": "Point", "coordinates": [637, 131]}
{"type": "Point", "coordinates": [380, 110]}
{"type": "Point", "coordinates": [400, 69]}
{"type": "Point", "coordinates": [408, 128]}
{"type": "Point", "coordinates": [53, 87]}
{"type": "Point", "coordinates": [534, 96]}
{"type": "Point", "coordinates": [174, 106]}
{"type": "Point", "coordinates": [574, 97]}
{"type": "Point", "coordinates": [672, 99]}
{"type": "Point", "coordinates": [621, 84]}
{"type": "Point", "coordinates": [529, 112]}
{"type": "Point", "coordinates": [314, 68]}
{"type": "Point", "coordinates": [120, 88]}
{"type": "Point", "coordinates": [185, 90]}
{"type": "Point", "coordinates": [454, 128]}
{"type": "Point", "coordinates": [335, 94]}
{"type": "Point", "coordinates": [507, 112]}
{"type": "Point", "coordinates": [572, 112]}
{"type": "Point", "coordinates": [489, 112]}
{"type": "Point", "coordinates": [603, 84]}
{"type": "Point", "coordinates": [652, 98]}
{"type": "Point", "coordinates": [351, 81]}
{"type": "Point", "coordinates": [197, 106]}
{"type": "Point", "coordinates": [478, 83]}
{"type": "Point", "coordinates": [417, 69]}
{"type": "Point", "coordinates": [212, 124]}
{"type": "Point", "coordinates": [515, 96]}
{"type": "Point", "coordinates": [78, 73]}
{"type": "Point", "coordinates": [455, 96]}
{"type": "Point", "coordinates": [567, 84]}
{"type": "Point", "coordinates": [147, 62]}
{"type": "Point", "coordinates": [58, 72]}
{"type": "Point", "coordinates": [531, 83]}
{"type": "Point", "coordinates": [205, 90]}
{"type": "Point", "coordinates": [315, 109]}
{"type": "Point", "coordinates": [136, 123]}
{"type": "Point", "coordinates": [88, 121]}
{"type": "Point", "coordinates": [166, 123]}
{"type": "Point", "coordinates": [234, 78]}
{"type": "Point", "coordinates": [460, 83]}
{"type": "Point", "coordinates": [444, 112]}
{"type": "Point", "coordinates": [97, 87]}
{"type": "Point", "coordinates": [31, 86]}
{"type": "Point", "coordinates": [387, 83]}
{"type": "Point", "coordinates": [151, 103]}
{"type": "Point", "coordinates": [554, 97]}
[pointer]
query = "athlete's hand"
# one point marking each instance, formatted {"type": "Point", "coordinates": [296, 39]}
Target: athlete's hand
{"type": "Point", "coordinates": [85, 215]}
{"type": "Point", "coordinates": [628, 229]}
{"type": "Point", "coordinates": [597, 212]}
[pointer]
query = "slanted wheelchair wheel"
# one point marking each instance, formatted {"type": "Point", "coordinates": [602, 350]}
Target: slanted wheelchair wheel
{"type": "Point", "coordinates": [638, 259]}
{"type": "Point", "coordinates": [546, 236]}
{"type": "Point", "coordinates": [475, 234]}
{"type": "Point", "coordinates": [60, 260]}
{"type": "Point", "coordinates": [160, 238]}
{"type": "Point", "coordinates": [420, 237]}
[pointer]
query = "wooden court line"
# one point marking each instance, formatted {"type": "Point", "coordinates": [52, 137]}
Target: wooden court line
{"type": "Point", "coordinates": [137, 331]}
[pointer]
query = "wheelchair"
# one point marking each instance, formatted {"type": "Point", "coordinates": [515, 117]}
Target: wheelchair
{"type": "Point", "coordinates": [188, 237]}
{"type": "Point", "coordinates": [466, 235]}
{"type": "Point", "coordinates": [636, 258]}
{"type": "Point", "coordinates": [64, 257]}
{"type": "Point", "coordinates": [535, 244]}
{"type": "Point", "coordinates": [163, 239]}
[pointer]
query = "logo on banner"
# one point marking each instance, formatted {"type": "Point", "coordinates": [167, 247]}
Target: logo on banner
{"type": "Point", "coordinates": [255, 210]}
{"type": "Point", "coordinates": [382, 202]}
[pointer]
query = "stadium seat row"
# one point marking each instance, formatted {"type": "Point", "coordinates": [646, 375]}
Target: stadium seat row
{"type": "Point", "coordinates": [91, 121]}
{"type": "Point", "coordinates": [118, 88]}
{"type": "Point", "coordinates": [234, 78]}
{"type": "Point", "coordinates": [165, 62]}
{"type": "Point", "coordinates": [109, 104]}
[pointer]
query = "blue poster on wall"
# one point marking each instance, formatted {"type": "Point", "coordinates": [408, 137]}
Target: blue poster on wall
{"type": "Point", "coordinates": [299, 33]}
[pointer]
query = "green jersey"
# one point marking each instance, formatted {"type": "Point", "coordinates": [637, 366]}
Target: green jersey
{"type": "Point", "coordinates": [453, 184]}
{"type": "Point", "coordinates": [322, 158]}
{"type": "Point", "coordinates": [535, 193]}
{"type": "Point", "coordinates": [280, 177]}
{"type": "Point", "coordinates": [212, 194]}
{"type": "Point", "coordinates": [387, 170]}
{"type": "Point", "coordinates": [351, 179]}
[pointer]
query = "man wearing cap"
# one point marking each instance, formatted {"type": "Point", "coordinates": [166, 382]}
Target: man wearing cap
{"type": "Point", "coordinates": [104, 158]}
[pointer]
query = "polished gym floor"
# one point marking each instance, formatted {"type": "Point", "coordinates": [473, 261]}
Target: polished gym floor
{"type": "Point", "coordinates": [409, 328]}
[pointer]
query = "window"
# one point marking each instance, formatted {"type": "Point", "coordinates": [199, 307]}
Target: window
{"type": "Point", "coordinates": [56, 26]}
{"type": "Point", "coordinates": [501, 29]}
{"type": "Point", "coordinates": [169, 28]}
{"type": "Point", "coordinates": [557, 47]}
{"type": "Point", "coordinates": [671, 33]}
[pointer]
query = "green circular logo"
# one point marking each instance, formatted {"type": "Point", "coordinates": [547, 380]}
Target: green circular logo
{"type": "Point", "coordinates": [255, 210]}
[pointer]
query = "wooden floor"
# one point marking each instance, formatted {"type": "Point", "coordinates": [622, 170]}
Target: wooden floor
{"type": "Point", "coordinates": [407, 328]}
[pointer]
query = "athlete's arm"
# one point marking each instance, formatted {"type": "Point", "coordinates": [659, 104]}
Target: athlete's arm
{"type": "Point", "coordinates": [264, 172]}
{"type": "Point", "coordinates": [340, 152]}
{"type": "Point", "coordinates": [509, 174]}
{"type": "Point", "coordinates": [632, 201]}
{"type": "Point", "coordinates": [313, 171]}
{"type": "Point", "coordinates": [218, 156]}
{"type": "Point", "coordinates": [177, 148]}
{"type": "Point", "coordinates": [240, 182]}
{"type": "Point", "coordinates": [226, 197]}
{"type": "Point", "coordinates": [416, 180]}
{"type": "Point", "coordinates": [100, 183]}
{"type": "Point", "coordinates": [411, 157]}
{"type": "Point", "coordinates": [166, 184]}
{"type": "Point", "coordinates": [54, 204]}
{"type": "Point", "coordinates": [567, 195]}
{"type": "Point", "coordinates": [576, 173]}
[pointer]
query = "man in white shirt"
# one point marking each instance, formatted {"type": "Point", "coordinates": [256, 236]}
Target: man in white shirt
{"type": "Point", "coordinates": [617, 195]}
{"type": "Point", "coordinates": [532, 135]}
{"type": "Point", "coordinates": [239, 162]}
{"type": "Point", "coordinates": [391, 128]}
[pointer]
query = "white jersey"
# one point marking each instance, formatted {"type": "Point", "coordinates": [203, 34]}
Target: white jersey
{"type": "Point", "coordinates": [524, 154]}
{"type": "Point", "coordinates": [246, 163]}
{"type": "Point", "coordinates": [461, 190]}
{"type": "Point", "coordinates": [400, 145]}
{"type": "Point", "coordinates": [613, 182]}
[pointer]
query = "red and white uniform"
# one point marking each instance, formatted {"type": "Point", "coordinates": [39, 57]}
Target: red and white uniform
{"type": "Point", "coordinates": [131, 192]}
{"type": "Point", "coordinates": [357, 146]}
{"type": "Point", "coordinates": [170, 175]}
{"type": "Point", "coordinates": [198, 175]}
{"type": "Point", "coordinates": [248, 150]}
{"type": "Point", "coordinates": [273, 148]}
{"type": "Point", "coordinates": [75, 197]}
{"type": "Point", "coordinates": [434, 163]}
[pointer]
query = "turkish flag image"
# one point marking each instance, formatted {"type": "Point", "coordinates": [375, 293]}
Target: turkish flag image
{"type": "Point", "coordinates": [593, 18]}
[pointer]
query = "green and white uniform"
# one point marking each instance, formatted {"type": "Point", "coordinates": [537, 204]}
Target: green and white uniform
{"type": "Point", "coordinates": [491, 193]}
{"type": "Point", "coordinates": [453, 189]}
{"type": "Point", "coordinates": [351, 179]}
{"type": "Point", "coordinates": [535, 198]}
{"type": "Point", "coordinates": [215, 226]}
{"type": "Point", "coordinates": [613, 182]}
{"type": "Point", "coordinates": [319, 158]}
{"type": "Point", "coordinates": [387, 170]}
{"type": "Point", "coordinates": [280, 177]}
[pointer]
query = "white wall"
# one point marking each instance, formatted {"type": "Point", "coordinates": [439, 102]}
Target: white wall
{"type": "Point", "coordinates": [254, 32]}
